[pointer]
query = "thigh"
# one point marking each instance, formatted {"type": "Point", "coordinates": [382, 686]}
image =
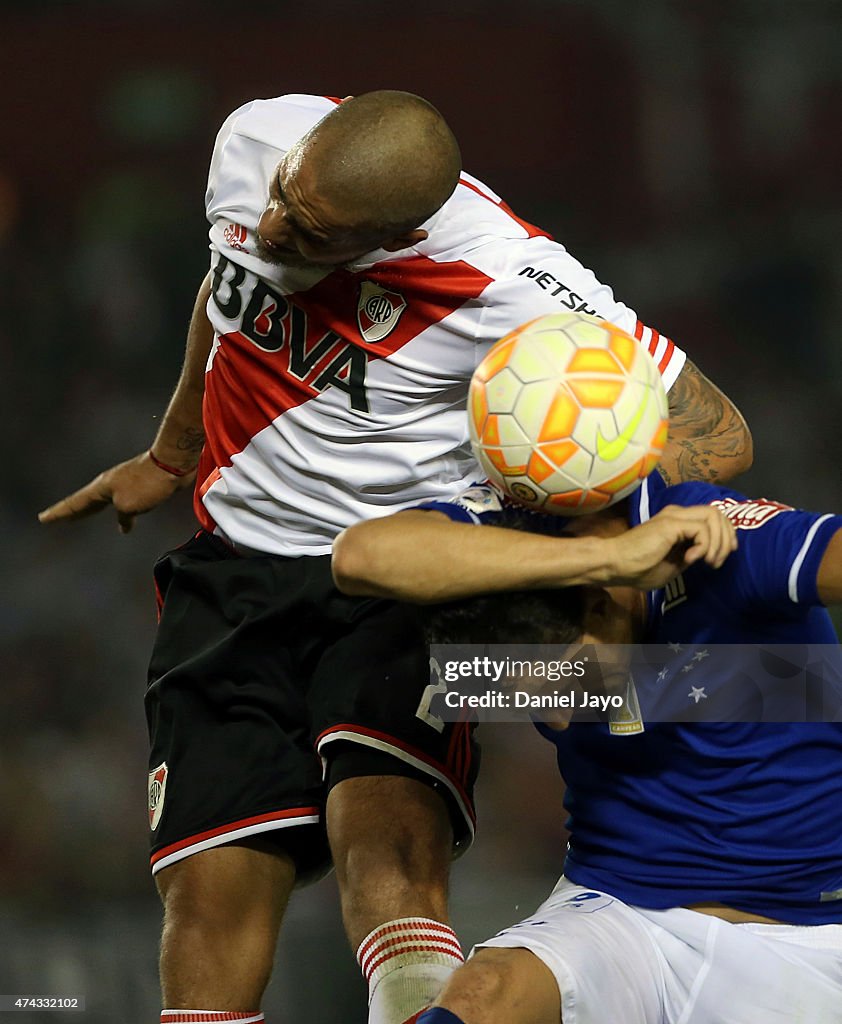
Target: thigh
{"type": "Point", "coordinates": [600, 952]}
{"type": "Point", "coordinates": [370, 699]}
{"type": "Point", "coordinates": [722, 973]}
{"type": "Point", "coordinates": [250, 881]}
{"type": "Point", "coordinates": [231, 756]}
{"type": "Point", "coordinates": [223, 910]}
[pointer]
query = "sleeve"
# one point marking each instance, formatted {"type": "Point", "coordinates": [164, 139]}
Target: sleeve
{"type": "Point", "coordinates": [779, 554]}
{"type": "Point", "coordinates": [233, 179]}
{"type": "Point", "coordinates": [236, 195]}
{"type": "Point", "coordinates": [475, 505]}
{"type": "Point", "coordinates": [541, 277]}
{"type": "Point", "coordinates": [248, 147]}
{"type": "Point", "coordinates": [482, 505]}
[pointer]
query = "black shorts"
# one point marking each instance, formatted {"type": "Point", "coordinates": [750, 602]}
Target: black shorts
{"type": "Point", "coordinates": [266, 687]}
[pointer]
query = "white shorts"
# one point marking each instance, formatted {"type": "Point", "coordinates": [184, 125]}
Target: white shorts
{"type": "Point", "coordinates": [626, 965]}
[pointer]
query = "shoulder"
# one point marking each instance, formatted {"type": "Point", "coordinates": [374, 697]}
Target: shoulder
{"type": "Point", "coordinates": [744, 512]}
{"type": "Point", "coordinates": [277, 122]}
{"type": "Point", "coordinates": [779, 549]}
{"type": "Point", "coordinates": [691, 492]}
{"type": "Point", "coordinates": [248, 146]}
{"type": "Point", "coordinates": [654, 494]}
{"type": "Point", "coordinates": [477, 226]}
{"type": "Point", "coordinates": [528, 272]}
{"type": "Point", "coordinates": [482, 203]}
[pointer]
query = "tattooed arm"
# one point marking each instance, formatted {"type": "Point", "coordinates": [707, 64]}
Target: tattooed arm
{"type": "Point", "coordinates": [143, 482]}
{"type": "Point", "coordinates": [181, 436]}
{"type": "Point", "coordinates": [708, 437]}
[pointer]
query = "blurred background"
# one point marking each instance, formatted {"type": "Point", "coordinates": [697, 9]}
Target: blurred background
{"type": "Point", "coordinates": [688, 152]}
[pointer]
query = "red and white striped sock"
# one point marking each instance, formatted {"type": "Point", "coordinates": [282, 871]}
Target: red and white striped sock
{"type": "Point", "coordinates": [210, 1016]}
{"type": "Point", "coordinates": [406, 963]}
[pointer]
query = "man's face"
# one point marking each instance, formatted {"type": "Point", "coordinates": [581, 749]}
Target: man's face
{"type": "Point", "coordinates": [613, 621]}
{"type": "Point", "coordinates": [613, 615]}
{"type": "Point", "coordinates": [299, 227]}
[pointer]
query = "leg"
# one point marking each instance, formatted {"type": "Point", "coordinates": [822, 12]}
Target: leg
{"type": "Point", "coordinates": [222, 911]}
{"type": "Point", "coordinates": [392, 840]}
{"type": "Point", "coordinates": [231, 766]}
{"type": "Point", "coordinates": [399, 783]}
{"type": "Point", "coordinates": [510, 985]}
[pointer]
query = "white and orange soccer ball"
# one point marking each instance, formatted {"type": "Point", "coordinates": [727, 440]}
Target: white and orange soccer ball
{"type": "Point", "coordinates": [567, 413]}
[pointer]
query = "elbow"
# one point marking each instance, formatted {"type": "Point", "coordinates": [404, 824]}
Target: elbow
{"type": "Point", "coordinates": [350, 562]}
{"type": "Point", "coordinates": [746, 460]}
{"type": "Point", "coordinates": [728, 451]}
{"type": "Point", "coordinates": [744, 455]}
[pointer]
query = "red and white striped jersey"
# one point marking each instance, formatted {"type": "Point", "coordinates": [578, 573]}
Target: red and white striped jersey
{"type": "Point", "coordinates": [334, 395]}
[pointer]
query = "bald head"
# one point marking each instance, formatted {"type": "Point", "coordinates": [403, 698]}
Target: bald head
{"type": "Point", "coordinates": [386, 159]}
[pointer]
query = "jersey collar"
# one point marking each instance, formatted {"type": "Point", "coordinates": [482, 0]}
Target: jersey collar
{"type": "Point", "coordinates": [645, 501]}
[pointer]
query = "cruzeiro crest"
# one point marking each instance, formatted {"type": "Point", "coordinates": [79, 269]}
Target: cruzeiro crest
{"type": "Point", "coordinates": [378, 311]}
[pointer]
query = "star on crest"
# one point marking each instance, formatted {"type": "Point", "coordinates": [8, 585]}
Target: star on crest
{"type": "Point", "coordinates": [697, 693]}
{"type": "Point", "coordinates": [675, 648]}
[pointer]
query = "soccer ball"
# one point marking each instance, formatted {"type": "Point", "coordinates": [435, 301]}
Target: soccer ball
{"type": "Point", "coordinates": [567, 414]}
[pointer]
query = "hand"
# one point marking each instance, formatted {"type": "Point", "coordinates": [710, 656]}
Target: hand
{"type": "Point", "coordinates": [653, 553]}
{"type": "Point", "coordinates": [132, 487]}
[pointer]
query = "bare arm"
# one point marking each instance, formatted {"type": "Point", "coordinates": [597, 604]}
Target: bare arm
{"type": "Point", "coordinates": [829, 579]}
{"type": "Point", "coordinates": [708, 437]}
{"type": "Point", "coordinates": [180, 437]}
{"type": "Point", "coordinates": [425, 557]}
{"type": "Point", "coordinates": [138, 485]}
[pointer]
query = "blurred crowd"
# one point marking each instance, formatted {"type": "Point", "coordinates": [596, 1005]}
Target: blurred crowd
{"type": "Point", "coordinates": [688, 153]}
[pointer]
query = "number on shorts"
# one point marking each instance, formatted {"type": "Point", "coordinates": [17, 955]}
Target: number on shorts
{"type": "Point", "coordinates": [430, 691]}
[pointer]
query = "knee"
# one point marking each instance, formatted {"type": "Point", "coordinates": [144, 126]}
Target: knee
{"type": "Point", "coordinates": [391, 843]}
{"type": "Point", "coordinates": [392, 826]}
{"type": "Point", "coordinates": [502, 984]}
{"type": "Point", "coordinates": [477, 991]}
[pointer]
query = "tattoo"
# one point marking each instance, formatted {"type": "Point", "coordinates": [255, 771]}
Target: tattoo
{"type": "Point", "coordinates": [191, 441]}
{"type": "Point", "coordinates": [708, 438]}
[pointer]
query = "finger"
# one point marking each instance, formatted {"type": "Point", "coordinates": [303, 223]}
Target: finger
{"type": "Point", "coordinates": [716, 539]}
{"type": "Point", "coordinates": [714, 553]}
{"type": "Point", "coordinates": [689, 530]}
{"type": "Point", "coordinates": [732, 533]}
{"type": "Point", "coordinates": [729, 538]}
{"type": "Point", "coordinates": [719, 551]}
{"type": "Point", "coordinates": [84, 502]}
{"type": "Point", "coordinates": [724, 536]}
{"type": "Point", "coordinates": [700, 542]}
{"type": "Point", "coordinates": [125, 522]}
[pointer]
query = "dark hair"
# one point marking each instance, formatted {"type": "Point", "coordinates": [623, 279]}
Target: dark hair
{"type": "Point", "coordinates": [554, 616]}
{"type": "Point", "coordinates": [509, 617]}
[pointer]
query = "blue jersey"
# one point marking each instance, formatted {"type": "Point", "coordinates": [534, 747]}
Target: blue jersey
{"type": "Point", "coordinates": [747, 814]}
